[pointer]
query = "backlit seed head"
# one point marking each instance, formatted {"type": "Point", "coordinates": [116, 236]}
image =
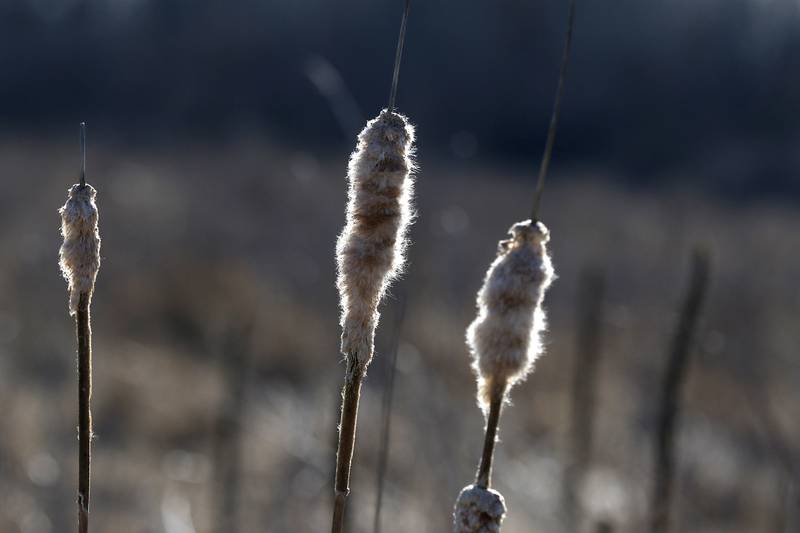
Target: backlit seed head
{"type": "Point", "coordinates": [370, 249]}
{"type": "Point", "coordinates": [79, 257]}
{"type": "Point", "coordinates": [504, 339]}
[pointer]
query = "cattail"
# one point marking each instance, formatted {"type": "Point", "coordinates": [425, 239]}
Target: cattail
{"type": "Point", "coordinates": [371, 248]}
{"type": "Point", "coordinates": [505, 339]}
{"type": "Point", "coordinates": [505, 342]}
{"type": "Point", "coordinates": [79, 259]}
{"type": "Point", "coordinates": [369, 255]}
{"type": "Point", "coordinates": [478, 510]}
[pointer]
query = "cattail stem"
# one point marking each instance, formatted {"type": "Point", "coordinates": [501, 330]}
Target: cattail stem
{"type": "Point", "coordinates": [401, 40]}
{"type": "Point", "coordinates": [584, 383]}
{"type": "Point", "coordinates": [386, 415]}
{"type": "Point", "coordinates": [670, 393]}
{"type": "Point", "coordinates": [83, 154]}
{"type": "Point", "coordinates": [551, 130]}
{"type": "Point", "coordinates": [369, 255]}
{"type": "Point", "coordinates": [484, 476]}
{"type": "Point", "coordinates": [84, 335]}
{"type": "Point", "coordinates": [227, 443]}
{"type": "Point", "coordinates": [351, 394]}
{"type": "Point", "coordinates": [79, 260]}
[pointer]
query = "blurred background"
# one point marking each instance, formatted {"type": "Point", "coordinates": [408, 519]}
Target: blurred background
{"type": "Point", "coordinates": [218, 140]}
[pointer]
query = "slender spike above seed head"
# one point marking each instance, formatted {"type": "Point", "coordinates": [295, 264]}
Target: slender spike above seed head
{"type": "Point", "coordinates": [478, 510]}
{"type": "Point", "coordinates": [504, 338]}
{"type": "Point", "coordinates": [79, 257]}
{"type": "Point", "coordinates": [371, 248]}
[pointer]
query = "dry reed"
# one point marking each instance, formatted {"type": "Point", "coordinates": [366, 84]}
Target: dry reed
{"type": "Point", "coordinates": [591, 290]}
{"type": "Point", "coordinates": [386, 411]}
{"type": "Point", "coordinates": [370, 254]}
{"type": "Point", "coordinates": [79, 259]}
{"type": "Point", "coordinates": [669, 406]}
{"type": "Point", "coordinates": [504, 339]}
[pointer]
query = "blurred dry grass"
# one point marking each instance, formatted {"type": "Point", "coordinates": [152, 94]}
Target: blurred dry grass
{"type": "Point", "coordinates": [197, 240]}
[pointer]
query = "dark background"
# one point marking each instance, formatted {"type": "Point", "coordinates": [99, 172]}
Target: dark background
{"type": "Point", "coordinates": [708, 90]}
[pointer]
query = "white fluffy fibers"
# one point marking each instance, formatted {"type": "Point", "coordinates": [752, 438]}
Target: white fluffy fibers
{"type": "Point", "coordinates": [79, 257]}
{"type": "Point", "coordinates": [478, 510]}
{"type": "Point", "coordinates": [370, 249]}
{"type": "Point", "coordinates": [504, 339]}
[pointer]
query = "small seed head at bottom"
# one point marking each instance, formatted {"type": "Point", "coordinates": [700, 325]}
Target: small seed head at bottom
{"type": "Point", "coordinates": [478, 510]}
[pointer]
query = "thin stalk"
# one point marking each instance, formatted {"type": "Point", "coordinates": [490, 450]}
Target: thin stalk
{"type": "Point", "coordinates": [386, 415]}
{"type": "Point", "coordinates": [83, 154]}
{"type": "Point", "coordinates": [398, 56]}
{"type": "Point", "coordinates": [356, 367]}
{"type": "Point", "coordinates": [84, 336]}
{"type": "Point", "coordinates": [584, 383]}
{"type": "Point", "coordinates": [677, 367]}
{"type": "Point", "coordinates": [791, 502]}
{"type": "Point", "coordinates": [235, 363]}
{"type": "Point", "coordinates": [551, 131]}
{"type": "Point", "coordinates": [484, 477]}
{"type": "Point", "coordinates": [351, 394]}
{"type": "Point", "coordinates": [775, 441]}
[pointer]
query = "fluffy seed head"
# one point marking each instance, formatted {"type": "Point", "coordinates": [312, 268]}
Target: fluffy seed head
{"type": "Point", "coordinates": [504, 338]}
{"type": "Point", "coordinates": [79, 257]}
{"type": "Point", "coordinates": [478, 510]}
{"type": "Point", "coordinates": [370, 250]}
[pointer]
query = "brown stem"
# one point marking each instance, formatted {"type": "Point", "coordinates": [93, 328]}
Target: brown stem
{"type": "Point", "coordinates": [386, 415]}
{"type": "Point", "coordinates": [351, 393]}
{"type": "Point", "coordinates": [677, 367]}
{"type": "Point", "coordinates": [235, 361]}
{"type": "Point", "coordinates": [84, 334]}
{"type": "Point", "coordinates": [484, 477]}
{"type": "Point", "coordinates": [584, 383]}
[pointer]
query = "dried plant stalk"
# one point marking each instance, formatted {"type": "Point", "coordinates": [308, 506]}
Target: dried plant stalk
{"type": "Point", "coordinates": [386, 412]}
{"type": "Point", "coordinates": [235, 363]}
{"type": "Point", "coordinates": [672, 384]}
{"type": "Point", "coordinates": [505, 342]}
{"type": "Point", "coordinates": [504, 338]}
{"type": "Point", "coordinates": [589, 337]}
{"type": "Point", "coordinates": [497, 395]}
{"type": "Point", "coordinates": [80, 262]}
{"type": "Point", "coordinates": [369, 255]}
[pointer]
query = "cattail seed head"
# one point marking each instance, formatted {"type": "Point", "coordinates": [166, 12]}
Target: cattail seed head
{"type": "Point", "coordinates": [370, 250]}
{"type": "Point", "coordinates": [478, 510]}
{"type": "Point", "coordinates": [504, 339]}
{"type": "Point", "coordinates": [79, 257]}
